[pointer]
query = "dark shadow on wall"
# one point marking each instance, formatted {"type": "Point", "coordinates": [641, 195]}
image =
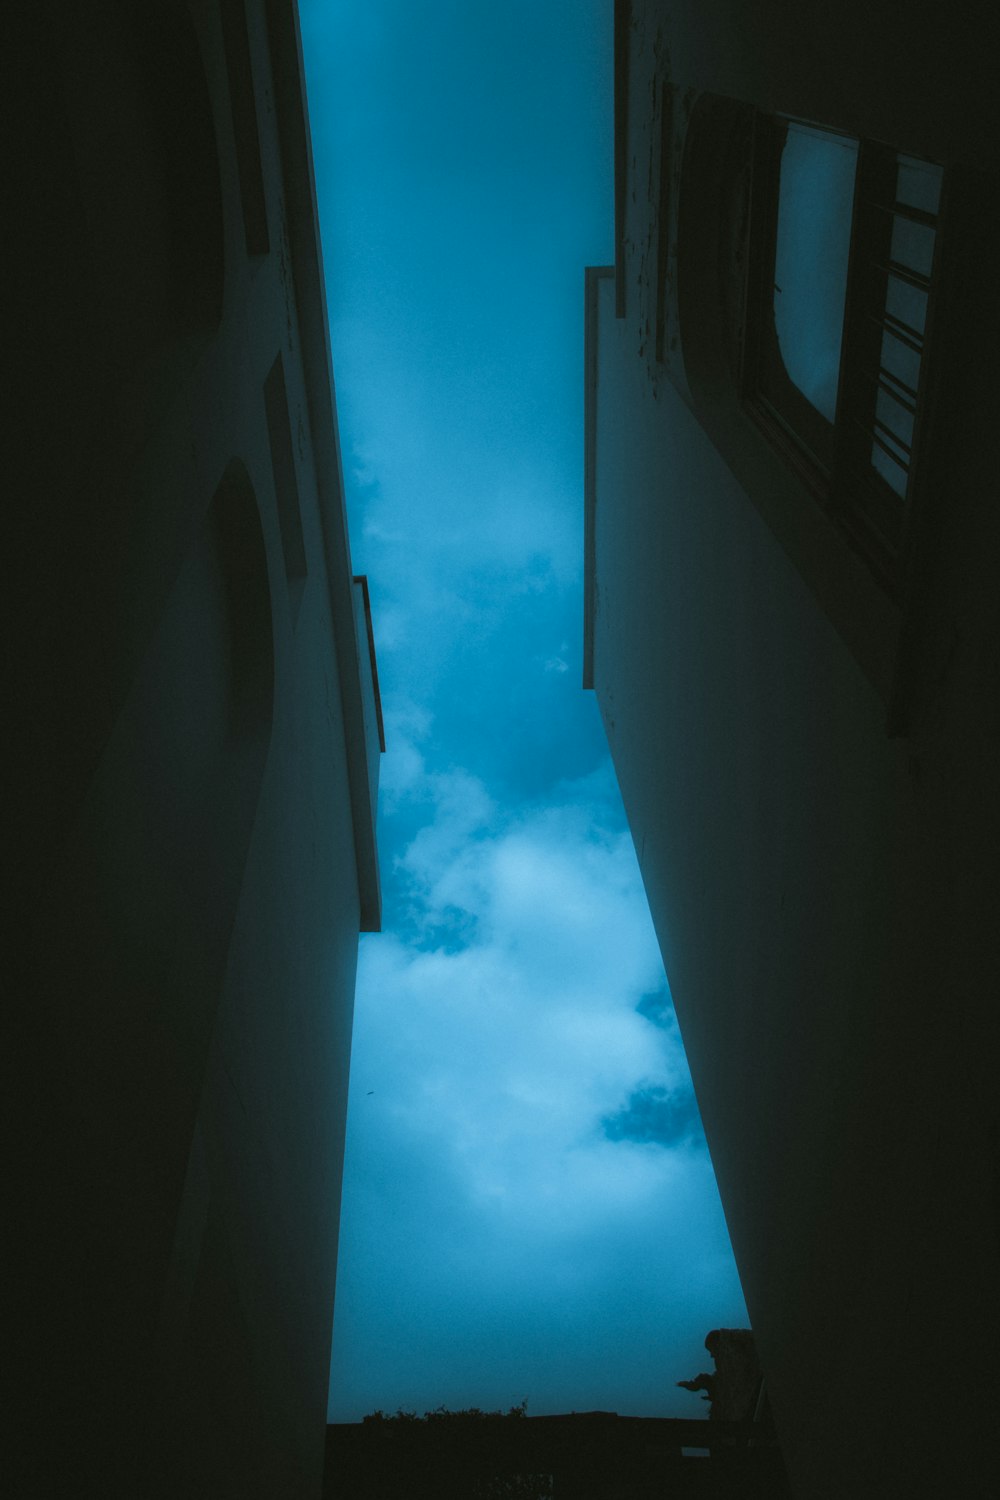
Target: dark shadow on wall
{"type": "Point", "coordinates": [125, 965]}
{"type": "Point", "coordinates": [147, 175]}
{"type": "Point", "coordinates": [117, 291]}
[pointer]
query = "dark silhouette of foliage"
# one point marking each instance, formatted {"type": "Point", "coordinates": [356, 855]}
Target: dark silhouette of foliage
{"type": "Point", "coordinates": [444, 1414]}
{"type": "Point", "coordinates": [457, 1431]}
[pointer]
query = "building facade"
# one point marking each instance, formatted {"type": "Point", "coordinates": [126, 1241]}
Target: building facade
{"type": "Point", "coordinates": [792, 626]}
{"type": "Point", "coordinates": [196, 732]}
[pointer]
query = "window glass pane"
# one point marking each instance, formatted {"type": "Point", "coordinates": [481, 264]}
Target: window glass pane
{"type": "Point", "coordinates": [890, 471]}
{"type": "Point", "coordinates": [815, 208]}
{"type": "Point", "coordinates": [900, 360]}
{"type": "Point", "coordinates": [912, 245]}
{"type": "Point", "coordinates": [907, 303]}
{"type": "Point", "coordinates": [896, 418]}
{"type": "Point", "coordinates": [918, 183]}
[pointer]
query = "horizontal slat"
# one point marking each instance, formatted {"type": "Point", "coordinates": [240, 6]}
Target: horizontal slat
{"type": "Point", "coordinates": [904, 330]}
{"type": "Point", "coordinates": [907, 211]}
{"type": "Point", "coordinates": [882, 444]}
{"type": "Point", "coordinates": [908, 402]}
{"type": "Point", "coordinates": [905, 273]}
{"type": "Point", "coordinates": [884, 427]}
{"type": "Point", "coordinates": [916, 344]}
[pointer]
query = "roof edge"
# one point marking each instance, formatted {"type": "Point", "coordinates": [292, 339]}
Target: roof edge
{"type": "Point", "coordinates": [299, 185]}
{"type": "Point", "coordinates": [362, 580]}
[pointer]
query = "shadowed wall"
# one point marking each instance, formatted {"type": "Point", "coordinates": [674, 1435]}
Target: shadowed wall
{"type": "Point", "coordinates": [192, 831]}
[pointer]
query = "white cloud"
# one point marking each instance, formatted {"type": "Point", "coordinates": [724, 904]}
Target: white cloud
{"type": "Point", "coordinates": [478, 1172]}
{"type": "Point", "coordinates": [401, 774]}
{"type": "Point", "coordinates": [421, 506]}
{"type": "Point", "coordinates": [462, 808]}
{"type": "Point", "coordinates": [495, 1243]}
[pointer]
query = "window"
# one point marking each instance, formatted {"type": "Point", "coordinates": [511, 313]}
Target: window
{"type": "Point", "coordinates": [892, 286]}
{"type": "Point", "coordinates": [247, 137]}
{"type": "Point", "coordinates": [286, 488]}
{"type": "Point", "coordinates": [812, 245]}
{"type": "Point", "coordinates": [842, 266]}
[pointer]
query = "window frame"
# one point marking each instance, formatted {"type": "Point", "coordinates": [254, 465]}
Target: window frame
{"type": "Point", "coordinates": [843, 481]}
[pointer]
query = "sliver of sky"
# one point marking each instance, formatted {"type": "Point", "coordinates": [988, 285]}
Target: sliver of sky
{"type": "Point", "coordinates": [529, 1210]}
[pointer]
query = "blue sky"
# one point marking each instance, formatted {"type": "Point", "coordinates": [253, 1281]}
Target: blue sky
{"type": "Point", "coordinates": [529, 1210]}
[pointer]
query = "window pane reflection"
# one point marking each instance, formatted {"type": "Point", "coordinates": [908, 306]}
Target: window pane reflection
{"type": "Point", "coordinates": [815, 209]}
